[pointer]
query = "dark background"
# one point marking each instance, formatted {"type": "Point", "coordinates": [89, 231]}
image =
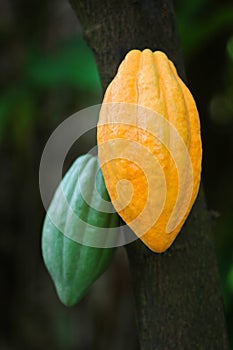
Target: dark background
{"type": "Point", "coordinates": [47, 73]}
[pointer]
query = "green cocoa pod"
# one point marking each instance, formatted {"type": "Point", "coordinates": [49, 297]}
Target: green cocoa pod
{"type": "Point", "coordinates": [78, 215]}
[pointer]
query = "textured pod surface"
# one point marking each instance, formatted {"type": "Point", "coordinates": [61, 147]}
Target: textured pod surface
{"type": "Point", "coordinates": [150, 147]}
{"type": "Point", "coordinates": [74, 266]}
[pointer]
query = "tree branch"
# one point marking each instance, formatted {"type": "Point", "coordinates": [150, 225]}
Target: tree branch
{"type": "Point", "coordinates": [177, 297]}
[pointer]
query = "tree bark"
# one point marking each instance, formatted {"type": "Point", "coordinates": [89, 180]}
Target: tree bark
{"type": "Point", "coordinates": [177, 294]}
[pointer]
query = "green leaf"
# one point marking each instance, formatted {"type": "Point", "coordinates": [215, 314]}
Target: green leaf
{"type": "Point", "coordinates": [196, 32]}
{"type": "Point", "coordinates": [72, 65]}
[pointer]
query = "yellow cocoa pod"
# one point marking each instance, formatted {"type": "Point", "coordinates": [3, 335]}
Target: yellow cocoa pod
{"type": "Point", "coordinates": [149, 147]}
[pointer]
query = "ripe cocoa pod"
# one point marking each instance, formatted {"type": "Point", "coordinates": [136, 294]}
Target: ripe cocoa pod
{"type": "Point", "coordinates": [150, 147]}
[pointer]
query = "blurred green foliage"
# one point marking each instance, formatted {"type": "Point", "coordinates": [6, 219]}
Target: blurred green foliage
{"type": "Point", "coordinates": [72, 65]}
{"type": "Point", "coordinates": [206, 31]}
{"type": "Point", "coordinates": [202, 23]}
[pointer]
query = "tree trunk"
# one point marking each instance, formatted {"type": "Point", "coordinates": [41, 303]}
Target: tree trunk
{"type": "Point", "coordinates": [177, 294]}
